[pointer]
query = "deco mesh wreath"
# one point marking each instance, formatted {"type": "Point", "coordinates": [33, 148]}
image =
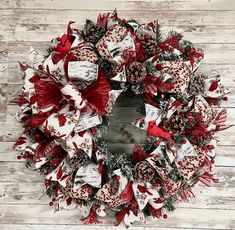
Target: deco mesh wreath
{"type": "Point", "coordinates": [67, 98]}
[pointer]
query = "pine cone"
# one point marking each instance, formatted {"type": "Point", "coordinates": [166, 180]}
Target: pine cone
{"type": "Point", "coordinates": [93, 33]}
{"type": "Point", "coordinates": [136, 72]}
{"type": "Point", "coordinates": [143, 171]}
{"type": "Point", "coordinates": [149, 42]}
{"type": "Point", "coordinates": [197, 84]}
{"type": "Point", "coordinates": [78, 160]}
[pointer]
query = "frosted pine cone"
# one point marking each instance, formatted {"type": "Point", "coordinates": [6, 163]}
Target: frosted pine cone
{"type": "Point", "coordinates": [143, 171]}
{"type": "Point", "coordinates": [136, 72]}
{"type": "Point", "coordinates": [197, 84]}
{"type": "Point", "coordinates": [148, 41]}
{"type": "Point", "coordinates": [93, 33]}
{"type": "Point", "coordinates": [78, 160]}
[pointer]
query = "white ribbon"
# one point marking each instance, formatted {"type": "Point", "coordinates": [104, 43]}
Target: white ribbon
{"type": "Point", "coordinates": [88, 174]}
{"type": "Point", "coordinates": [83, 72]}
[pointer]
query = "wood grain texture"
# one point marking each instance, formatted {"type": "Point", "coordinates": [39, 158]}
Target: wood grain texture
{"type": "Point", "coordinates": [210, 24]}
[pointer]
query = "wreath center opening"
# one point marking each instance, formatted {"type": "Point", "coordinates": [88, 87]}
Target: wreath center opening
{"type": "Point", "coordinates": [122, 134]}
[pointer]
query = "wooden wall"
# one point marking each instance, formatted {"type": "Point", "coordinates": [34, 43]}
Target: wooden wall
{"type": "Point", "coordinates": [24, 23]}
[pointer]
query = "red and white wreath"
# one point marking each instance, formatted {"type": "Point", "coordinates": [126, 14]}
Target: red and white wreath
{"type": "Point", "coordinates": [69, 95]}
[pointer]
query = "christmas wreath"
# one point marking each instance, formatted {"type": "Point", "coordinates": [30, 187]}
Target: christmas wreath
{"type": "Point", "coordinates": [69, 94]}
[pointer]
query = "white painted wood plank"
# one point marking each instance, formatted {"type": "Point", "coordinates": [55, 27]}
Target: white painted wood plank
{"type": "Point", "coordinates": [130, 5]}
{"type": "Point", "coordinates": [52, 16]}
{"type": "Point", "coordinates": [80, 227]}
{"type": "Point", "coordinates": [3, 52]}
{"type": "Point", "coordinates": [133, 5]}
{"type": "Point", "coordinates": [197, 34]}
{"type": "Point", "coordinates": [214, 197]}
{"type": "Point", "coordinates": [226, 51]}
{"type": "Point", "coordinates": [183, 217]}
{"type": "Point", "coordinates": [6, 4]}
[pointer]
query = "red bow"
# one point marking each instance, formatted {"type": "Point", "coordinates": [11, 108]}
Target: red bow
{"type": "Point", "coordinates": [98, 94]}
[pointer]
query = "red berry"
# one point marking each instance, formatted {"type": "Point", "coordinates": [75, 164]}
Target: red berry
{"type": "Point", "coordinates": [182, 50]}
{"type": "Point", "coordinates": [225, 98]}
{"type": "Point", "coordinates": [18, 157]}
{"type": "Point", "coordinates": [157, 142]}
{"type": "Point", "coordinates": [166, 181]}
{"type": "Point", "coordinates": [180, 163]}
{"type": "Point", "coordinates": [124, 21]}
{"type": "Point", "coordinates": [51, 203]}
{"type": "Point", "coordinates": [161, 45]}
{"type": "Point", "coordinates": [113, 73]}
{"type": "Point", "coordinates": [93, 131]}
{"type": "Point", "coordinates": [48, 113]}
{"type": "Point", "coordinates": [89, 190]}
{"type": "Point", "coordinates": [153, 52]}
{"type": "Point", "coordinates": [184, 141]}
{"type": "Point", "coordinates": [210, 147]}
{"type": "Point", "coordinates": [37, 136]}
{"type": "Point", "coordinates": [158, 181]}
{"type": "Point", "coordinates": [200, 118]}
{"type": "Point", "coordinates": [165, 216]}
{"type": "Point", "coordinates": [212, 161]}
{"type": "Point", "coordinates": [190, 114]}
{"type": "Point", "coordinates": [54, 199]}
{"type": "Point", "coordinates": [190, 119]}
{"type": "Point", "coordinates": [169, 187]}
{"type": "Point", "coordinates": [83, 110]}
{"type": "Point", "coordinates": [57, 107]}
{"type": "Point", "coordinates": [118, 177]}
{"type": "Point", "coordinates": [40, 113]}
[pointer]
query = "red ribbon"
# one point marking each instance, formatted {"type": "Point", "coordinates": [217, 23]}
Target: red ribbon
{"type": "Point", "coordinates": [207, 178]}
{"type": "Point", "coordinates": [152, 85]}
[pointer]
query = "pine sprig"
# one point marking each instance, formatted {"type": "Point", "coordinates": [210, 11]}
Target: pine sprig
{"type": "Point", "coordinates": [158, 36]}
{"type": "Point", "coordinates": [150, 68]}
{"type": "Point", "coordinates": [169, 205]}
